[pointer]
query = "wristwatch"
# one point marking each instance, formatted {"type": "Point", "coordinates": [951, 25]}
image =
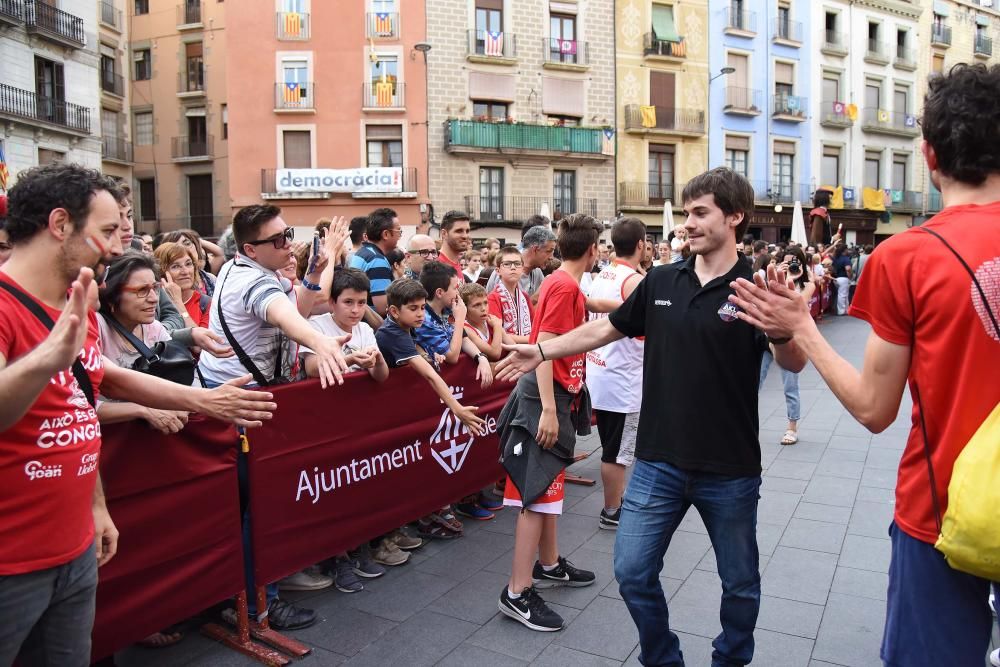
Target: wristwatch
{"type": "Point", "coordinates": [480, 355]}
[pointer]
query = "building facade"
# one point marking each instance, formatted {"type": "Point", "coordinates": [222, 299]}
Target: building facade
{"type": "Point", "coordinates": [521, 110]}
{"type": "Point", "coordinates": [49, 97]}
{"type": "Point", "coordinates": [115, 85]}
{"type": "Point", "coordinates": [760, 95]}
{"type": "Point", "coordinates": [661, 58]}
{"type": "Point", "coordinates": [177, 65]}
{"type": "Point", "coordinates": [333, 86]}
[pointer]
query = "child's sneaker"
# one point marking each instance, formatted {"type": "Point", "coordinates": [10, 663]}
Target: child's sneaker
{"type": "Point", "coordinates": [344, 577]}
{"type": "Point", "coordinates": [563, 574]}
{"type": "Point", "coordinates": [474, 511]}
{"type": "Point", "coordinates": [491, 501]}
{"type": "Point", "coordinates": [387, 553]}
{"type": "Point", "coordinates": [362, 563]}
{"type": "Point", "coordinates": [530, 610]}
{"type": "Point", "coordinates": [609, 521]}
{"type": "Point", "coordinates": [404, 541]}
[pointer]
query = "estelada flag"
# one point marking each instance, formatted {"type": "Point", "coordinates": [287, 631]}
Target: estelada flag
{"type": "Point", "coordinates": [291, 93]}
{"type": "Point", "coordinates": [293, 23]}
{"type": "Point", "coordinates": [493, 43]}
{"type": "Point", "coordinates": [4, 174]}
{"type": "Point", "coordinates": [608, 141]}
{"type": "Point", "coordinates": [383, 93]}
{"type": "Point", "coordinates": [383, 24]}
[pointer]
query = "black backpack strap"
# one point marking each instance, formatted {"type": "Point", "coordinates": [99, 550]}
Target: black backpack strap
{"type": "Point", "coordinates": [79, 372]}
{"type": "Point", "coordinates": [140, 347]}
{"type": "Point", "coordinates": [237, 348]}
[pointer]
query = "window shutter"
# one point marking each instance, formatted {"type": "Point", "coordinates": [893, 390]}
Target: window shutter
{"type": "Point", "coordinates": [298, 149]}
{"type": "Point", "coordinates": [784, 73]}
{"type": "Point", "coordinates": [784, 148]}
{"type": "Point", "coordinates": [736, 143]}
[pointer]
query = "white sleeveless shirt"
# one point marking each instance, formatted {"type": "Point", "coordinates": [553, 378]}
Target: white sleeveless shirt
{"type": "Point", "coordinates": [614, 371]}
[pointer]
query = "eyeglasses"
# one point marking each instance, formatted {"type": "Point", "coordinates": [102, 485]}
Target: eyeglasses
{"type": "Point", "coordinates": [279, 240]}
{"type": "Point", "coordinates": [142, 291]}
{"type": "Point", "coordinates": [512, 265]}
{"type": "Point", "coordinates": [178, 267]}
{"type": "Point", "coordinates": [425, 253]}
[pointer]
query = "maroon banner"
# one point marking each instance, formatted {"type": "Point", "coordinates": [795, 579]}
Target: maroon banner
{"type": "Point", "coordinates": [175, 502]}
{"type": "Point", "coordinates": [339, 466]}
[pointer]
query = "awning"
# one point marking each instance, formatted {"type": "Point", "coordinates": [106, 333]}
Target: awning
{"type": "Point", "coordinates": [983, 20]}
{"type": "Point", "coordinates": [941, 8]}
{"type": "Point", "coordinates": [195, 112]}
{"type": "Point", "coordinates": [663, 23]}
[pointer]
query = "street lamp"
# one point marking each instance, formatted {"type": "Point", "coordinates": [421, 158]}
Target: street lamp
{"type": "Point", "coordinates": [722, 72]}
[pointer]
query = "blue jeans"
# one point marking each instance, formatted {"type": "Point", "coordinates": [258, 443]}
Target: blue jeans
{"type": "Point", "coordinates": [934, 615]}
{"type": "Point", "coordinates": [657, 498]}
{"type": "Point", "coordinates": [791, 382]}
{"type": "Point", "coordinates": [46, 616]}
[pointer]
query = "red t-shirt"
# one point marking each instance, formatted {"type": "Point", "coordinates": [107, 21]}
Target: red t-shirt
{"type": "Point", "coordinates": [517, 310]}
{"type": "Point", "coordinates": [561, 308]}
{"type": "Point", "coordinates": [48, 460]}
{"type": "Point", "coordinates": [193, 306]}
{"type": "Point", "coordinates": [915, 292]}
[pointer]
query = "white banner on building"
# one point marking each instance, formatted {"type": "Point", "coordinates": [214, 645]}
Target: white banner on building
{"type": "Point", "coordinates": [362, 179]}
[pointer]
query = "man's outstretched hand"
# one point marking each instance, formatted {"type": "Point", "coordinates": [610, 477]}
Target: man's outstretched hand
{"type": "Point", "coordinates": [523, 358]}
{"type": "Point", "coordinates": [773, 306]}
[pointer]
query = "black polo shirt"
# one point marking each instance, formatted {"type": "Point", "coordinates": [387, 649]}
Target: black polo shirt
{"type": "Point", "coordinates": [700, 372]}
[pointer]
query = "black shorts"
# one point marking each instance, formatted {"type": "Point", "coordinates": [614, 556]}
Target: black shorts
{"type": "Point", "coordinates": [611, 427]}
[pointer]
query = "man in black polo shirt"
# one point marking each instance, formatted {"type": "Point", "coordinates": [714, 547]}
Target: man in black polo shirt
{"type": "Point", "coordinates": [697, 442]}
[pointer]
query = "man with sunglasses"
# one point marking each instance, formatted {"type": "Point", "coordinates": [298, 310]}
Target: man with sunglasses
{"type": "Point", "coordinates": [421, 249]}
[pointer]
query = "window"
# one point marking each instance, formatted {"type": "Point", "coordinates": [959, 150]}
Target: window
{"type": "Point", "coordinates": [491, 193]}
{"type": "Point", "coordinates": [872, 35]}
{"type": "Point", "coordinates": [141, 7]}
{"type": "Point", "coordinates": [831, 28]}
{"type": "Point", "coordinates": [566, 121]}
{"type": "Point", "coordinates": [873, 94]}
{"type": "Point", "coordinates": [225, 121]}
{"type": "Point", "coordinates": [197, 131]}
{"type": "Point", "coordinates": [49, 81]}
{"type": "Point", "coordinates": [297, 145]}
{"type": "Point", "coordinates": [831, 88]}
{"type": "Point", "coordinates": [47, 156]}
{"type": "Point", "coordinates": [109, 124]}
{"type": "Point", "coordinates": [784, 21]}
{"type": "Point", "coordinates": [564, 192]}
{"type": "Point", "coordinates": [783, 165]}
{"type": "Point", "coordinates": [108, 73]}
{"type": "Point", "coordinates": [829, 168]}
{"type": "Point", "coordinates": [873, 169]}
{"type": "Point", "coordinates": [736, 17]}
{"type": "Point", "coordinates": [739, 62]}
{"type": "Point", "coordinates": [660, 173]}
{"type": "Point", "coordinates": [937, 63]}
{"type": "Point", "coordinates": [385, 145]}
{"type": "Point", "coordinates": [144, 128]}
{"type": "Point", "coordinates": [899, 172]}
{"type": "Point", "coordinates": [383, 6]}
{"type": "Point", "coordinates": [738, 154]}
{"type": "Point", "coordinates": [143, 64]}
{"type": "Point", "coordinates": [664, 28]}
{"type": "Point", "coordinates": [385, 68]}
{"type": "Point", "coordinates": [147, 198]}
{"type": "Point", "coordinates": [562, 38]}
{"type": "Point", "coordinates": [784, 81]}
{"type": "Point", "coordinates": [489, 18]}
{"type": "Point", "coordinates": [195, 66]}
{"type": "Point", "coordinates": [901, 40]}
{"type": "Point", "coordinates": [900, 99]}
{"type": "Point", "coordinates": [489, 110]}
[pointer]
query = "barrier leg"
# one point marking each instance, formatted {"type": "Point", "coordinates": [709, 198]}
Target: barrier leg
{"type": "Point", "coordinates": [262, 630]}
{"type": "Point", "coordinates": [240, 640]}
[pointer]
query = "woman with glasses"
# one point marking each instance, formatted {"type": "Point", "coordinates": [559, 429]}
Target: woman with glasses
{"type": "Point", "coordinates": [182, 282]}
{"type": "Point", "coordinates": [210, 256]}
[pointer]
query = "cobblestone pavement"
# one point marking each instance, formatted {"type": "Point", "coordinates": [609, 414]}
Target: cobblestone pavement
{"type": "Point", "coordinates": [825, 508]}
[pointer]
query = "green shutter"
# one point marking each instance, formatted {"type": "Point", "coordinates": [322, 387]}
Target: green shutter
{"type": "Point", "coordinates": [663, 23]}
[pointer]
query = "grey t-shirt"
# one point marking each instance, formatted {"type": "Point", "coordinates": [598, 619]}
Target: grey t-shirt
{"type": "Point", "coordinates": [530, 283]}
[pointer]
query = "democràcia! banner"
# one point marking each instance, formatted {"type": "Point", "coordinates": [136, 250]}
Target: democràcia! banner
{"type": "Point", "coordinates": [362, 179]}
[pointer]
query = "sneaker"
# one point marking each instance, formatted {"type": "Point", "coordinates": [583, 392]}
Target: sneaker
{"type": "Point", "coordinates": [474, 511]}
{"type": "Point", "coordinates": [344, 577]}
{"type": "Point", "coordinates": [306, 580]}
{"type": "Point", "coordinates": [491, 501]}
{"type": "Point", "coordinates": [564, 574]}
{"type": "Point", "coordinates": [287, 616]}
{"type": "Point", "coordinates": [530, 610]}
{"type": "Point", "coordinates": [995, 658]}
{"type": "Point", "coordinates": [404, 541]}
{"type": "Point", "coordinates": [362, 563]}
{"type": "Point", "coordinates": [609, 521]}
{"type": "Point", "coordinates": [387, 553]}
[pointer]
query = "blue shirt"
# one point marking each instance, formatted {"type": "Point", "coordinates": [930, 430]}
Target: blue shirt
{"type": "Point", "coordinates": [395, 343]}
{"type": "Point", "coordinates": [434, 335]}
{"type": "Point", "coordinates": [372, 261]}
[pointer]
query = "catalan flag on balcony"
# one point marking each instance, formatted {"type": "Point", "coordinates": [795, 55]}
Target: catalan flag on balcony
{"type": "Point", "coordinates": [4, 174]}
{"type": "Point", "coordinates": [383, 93]}
{"type": "Point", "coordinates": [293, 24]}
{"type": "Point", "coordinates": [291, 94]}
{"type": "Point", "coordinates": [608, 141]}
{"type": "Point", "coordinates": [679, 48]}
{"type": "Point", "coordinates": [648, 114]}
{"type": "Point", "coordinates": [493, 43]}
{"type": "Point", "coordinates": [382, 24]}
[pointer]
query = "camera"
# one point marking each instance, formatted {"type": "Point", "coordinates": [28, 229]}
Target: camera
{"type": "Point", "coordinates": [794, 266]}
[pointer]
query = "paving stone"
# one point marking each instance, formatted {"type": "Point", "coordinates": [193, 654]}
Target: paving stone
{"type": "Point", "coordinates": [851, 631]}
{"type": "Point", "coordinates": [831, 491]}
{"type": "Point", "coordinates": [467, 654]}
{"type": "Point", "coordinates": [806, 450]}
{"type": "Point", "coordinates": [774, 482]}
{"type": "Point", "coordinates": [879, 477]}
{"type": "Point", "coordinates": [422, 640]}
{"type": "Point", "coordinates": [604, 628]}
{"type": "Point", "coordinates": [405, 597]}
{"type": "Point", "coordinates": [692, 523]}
{"type": "Point", "coordinates": [860, 583]}
{"type": "Point", "coordinates": [870, 519]}
{"type": "Point", "coordinates": [597, 562]}
{"type": "Point", "coordinates": [507, 636]}
{"type": "Point", "coordinates": [792, 470]}
{"type": "Point", "coordinates": [696, 650]}
{"type": "Point", "coordinates": [876, 495]}
{"type": "Point", "coordinates": [844, 455]}
{"type": "Point", "coordinates": [848, 469]}
{"type": "Point", "coordinates": [866, 553]}
{"type": "Point", "coordinates": [559, 656]}
{"type": "Point", "coordinates": [776, 649]}
{"type": "Point", "coordinates": [797, 574]}
{"type": "Point", "coordinates": [683, 554]}
{"type": "Point", "coordinates": [670, 588]}
{"type": "Point", "coordinates": [828, 513]}
{"type": "Point", "coordinates": [776, 507]}
{"type": "Point", "coordinates": [887, 459]}
{"type": "Point", "coordinates": [813, 535]}
{"type": "Point", "coordinates": [467, 555]}
{"type": "Point", "coordinates": [475, 600]}
{"type": "Point", "coordinates": [840, 440]}
{"type": "Point", "coordinates": [695, 607]}
{"type": "Point", "coordinates": [334, 616]}
{"type": "Point", "coordinates": [789, 616]}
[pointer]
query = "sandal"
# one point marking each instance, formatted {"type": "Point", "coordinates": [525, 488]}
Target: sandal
{"type": "Point", "coordinates": [790, 438]}
{"type": "Point", "coordinates": [447, 519]}
{"type": "Point", "coordinates": [162, 639]}
{"type": "Point", "coordinates": [433, 531]}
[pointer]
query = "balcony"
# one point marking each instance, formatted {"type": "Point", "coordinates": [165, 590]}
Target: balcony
{"type": "Point", "coordinates": [186, 149]}
{"type": "Point", "coordinates": [382, 25]}
{"type": "Point", "coordinates": [834, 114]}
{"type": "Point", "coordinates": [54, 24]}
{"type": "Point", "coordinates": [189, 15]}
{"type": "Point", "coordinates": [780, 192]}
{"type": "Point", "coordinates": [741, 23]}
{"type": "Point", "coordinates": [894, 123]}
{"type": "Point", "coordinates": [26, 105]}
{"type": "Point", "coordinates": [112, 82]}
{"type": "Point", "coordinates": [550, 142]}
{"type": "Point", "coordinates": [905, 59]}
{"type": "Point", "coordinates": [940, 35]}
{"type": "Point", "coordinates": [294, 97]}
{"type": "Point", "coordinates": [906, 201]}
{"type": "Point", "coordinates": [110, 16]}
{"type": "Point", "coordinates": [383, 96]}
{"type": "Point", "coordinates": [664, 48]}
{"type": "Point", "coordinates": [667, 121]}
{"type": "Point", "coordinates": [645, 195]}
{"type": "Point", "coordinates": [192, 82]}
{"type": "Point", "coordinates": [834, 44]}
{"type": "Point", "coordinates": [742, 101]}
{"type": "Point", "coordinates": [787, 32]}
{"type": "Point", "coordinates": [791, 108]}
{"type": "Point", "coordinates": [291, 26]}
{"type": "Point", "coordinates": [513, 211]}
{"type": "Point", "coordinates": [876, 53]}
{"type": "Point", "coordinates": [116, 149]}
{"type": "Point", "coordinates": [498, 48]}
{"type": "Point", "coordinates": [983, 46]}
{"type": "Point", "coordinates": [565, 54]}
{"type": "Point", "coordinates": [933, 200]}
{"type": "Point", "coordinates": [11, 12]}
{"type": "Point", "coordinates": [269, 188]}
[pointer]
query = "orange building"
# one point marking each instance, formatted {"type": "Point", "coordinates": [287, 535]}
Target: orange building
{"type": "Point", "coordinates": [335, 92]}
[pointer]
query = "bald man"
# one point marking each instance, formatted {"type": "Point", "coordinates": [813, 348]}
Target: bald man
{"type": "Point", "coordinates": [420, 249]}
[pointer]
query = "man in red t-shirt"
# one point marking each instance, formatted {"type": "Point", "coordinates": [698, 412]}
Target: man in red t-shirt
{"type": "Point", "coordinates": [540, 407]}
{"type": "Point", "coordinates": [932, 328]}
{"type": "Point", "coordinates": [455, 240]}
{"type": "Point", "coordinates": [55, 525]}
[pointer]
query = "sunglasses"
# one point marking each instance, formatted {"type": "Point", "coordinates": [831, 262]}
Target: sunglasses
{"type": "Point", "coordinates": [278, 240]}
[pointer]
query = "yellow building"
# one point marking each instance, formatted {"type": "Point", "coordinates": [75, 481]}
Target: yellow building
{"type": "Point", "coordinates": [661, 117]}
